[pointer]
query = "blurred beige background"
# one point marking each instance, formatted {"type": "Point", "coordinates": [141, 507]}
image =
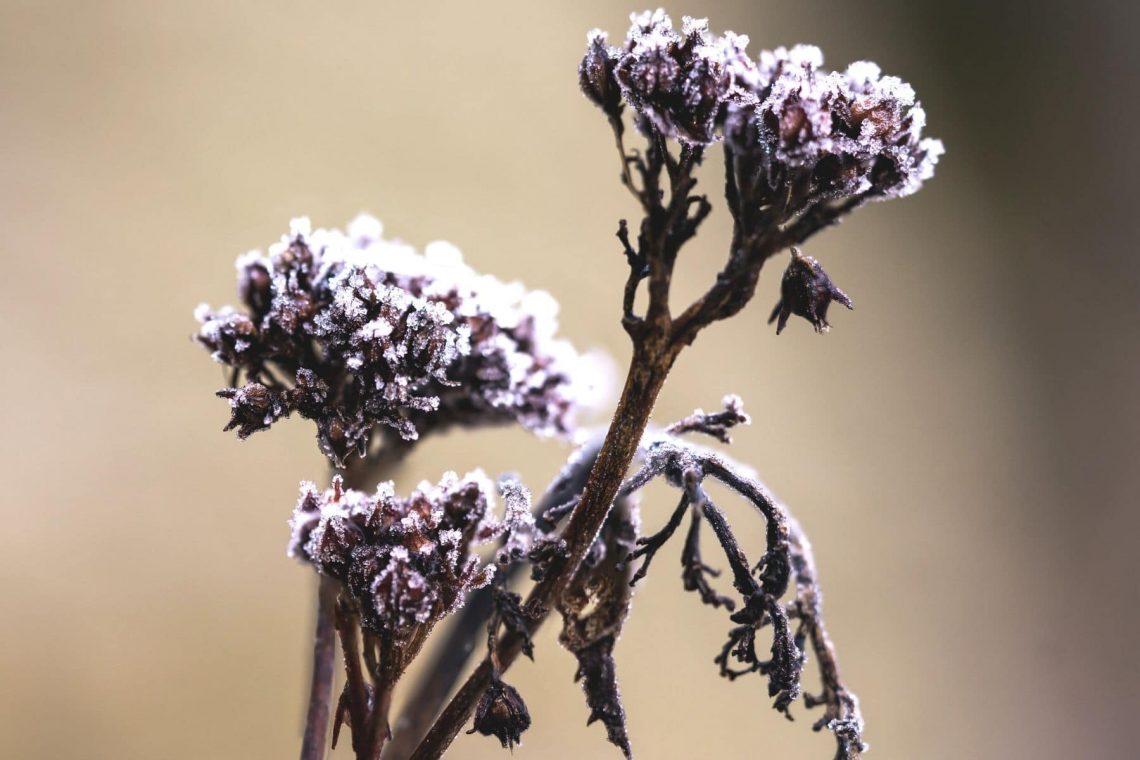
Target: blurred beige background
{"type": "Point", "coordinates": [963, 448]}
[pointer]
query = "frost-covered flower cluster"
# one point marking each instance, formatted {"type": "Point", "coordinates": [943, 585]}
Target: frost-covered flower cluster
{"type": "Point", "coordinates": [407, 562]}
{"type": "Point", "coordinates": [680, 83]}
{"type": "Point", "coordinates": [354, 332]}
{"type": "Point", "coordinates": [817, 133]}
{"type": "Point", "coordinates": [843, 133]}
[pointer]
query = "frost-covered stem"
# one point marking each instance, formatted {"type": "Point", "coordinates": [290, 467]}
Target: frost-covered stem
{"type": "Point", "coordinates": [317, 716]}
{"type": "Point", "coordinates": [379, 720]}
{"type": "Point", "coordinates": [335, 619]}
{"type": "Point", "coordinates": [841, 706]}
{"type": "Point", "coordinates": [648, 369]}
{"type": "Point", "coordinates": [321, 685]}
{"type": "Point", "coordinates": [356, 696]}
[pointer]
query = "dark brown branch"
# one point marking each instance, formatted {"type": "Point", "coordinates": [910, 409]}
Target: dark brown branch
{"type": "Point", "coordinates": [321, 685]}
{"type": "Point", "coordinates": [648, 369]}
{"type": "Point", "coordinates": [648, 545]}
{"type": "Point", "coordinates": [841, 707]}
{"type": "Point", "coordinates": [355, 701]}
{"type": "Point", "coordinates": [360, 473]}
{"type": "Point", "coordinates": [716, 424]}
{"type": "Point", "coordinates": [788, 557]}
{"type": "Point", "coordinates": [816, 219]}
{"type": "Point", "coordinates": [695, 573]}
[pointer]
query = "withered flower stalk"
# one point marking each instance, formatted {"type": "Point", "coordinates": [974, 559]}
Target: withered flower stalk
{"type": "Point", "coordinates": [802, 148]}
{"type": "Point", "coordinates": [379, 345]}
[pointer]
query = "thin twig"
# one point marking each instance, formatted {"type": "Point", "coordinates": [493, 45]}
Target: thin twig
{"type": "Point", "coordinates": [321, 686]}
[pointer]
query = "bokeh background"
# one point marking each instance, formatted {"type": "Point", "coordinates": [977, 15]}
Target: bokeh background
{"type": "Point", "coordinates": [963, 448]}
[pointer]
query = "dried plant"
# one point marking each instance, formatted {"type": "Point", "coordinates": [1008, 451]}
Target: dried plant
{"type": "Point", "coordinates": [379, 345]}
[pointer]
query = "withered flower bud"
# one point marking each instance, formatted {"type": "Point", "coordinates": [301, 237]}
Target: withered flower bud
{"type": "Point", "coordinates": [596, 74]}
{"type": "Point", "coordinates": [806, 291]}
{"type": "Point", "coordinates": [253, 407]}
{"type": "Point", "coordinates": [501, 713]}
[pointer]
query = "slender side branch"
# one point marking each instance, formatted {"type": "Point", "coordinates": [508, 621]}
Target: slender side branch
{"type": "Point", "coordinates": [356, 700]}
{"type": "Point", "coordinates": [321, 686]}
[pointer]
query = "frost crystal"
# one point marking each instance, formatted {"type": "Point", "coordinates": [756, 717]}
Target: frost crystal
{"type": "Point", "coordinates": [354, 332]}
{"type": "Point", "coordinates": [406, 562]}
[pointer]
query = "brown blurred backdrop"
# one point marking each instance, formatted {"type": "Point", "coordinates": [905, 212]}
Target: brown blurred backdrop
{"type": "Point", "coordinates": [963, 448]}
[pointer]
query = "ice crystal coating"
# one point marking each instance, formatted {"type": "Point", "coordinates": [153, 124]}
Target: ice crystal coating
{"type": "Point", "coordinates": [355, 332]}
{"type": "Point", "coordinates": [406, 562]}
{"type": "Point", "coordinates": [820, 134]}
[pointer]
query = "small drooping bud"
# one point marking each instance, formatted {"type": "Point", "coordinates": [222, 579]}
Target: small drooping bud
{"type": "Point", "coordinates": [596, 74]}
{"type": "Point", "coordinates": [501, 713]}
{"type": "Point", "coordinates": [806, 291]}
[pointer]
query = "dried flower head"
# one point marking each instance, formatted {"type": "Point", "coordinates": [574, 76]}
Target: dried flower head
{"type": "Point", "coordinates": [806, 291]}
{"type": "Point", "coordinates": [813, 134]}
{"type": "Point", "coordinates": [356, 332]}
{"type": "Point", "coordinates": [501, 713]}
{"type": "Point", "coordinates": [596, 74]}
{"type": "Point", "coordinates": [841, 134]}
{"type": "Point", "coordinates": [406, 562]}
{"type": "Point", "coordinates": [679, 83]}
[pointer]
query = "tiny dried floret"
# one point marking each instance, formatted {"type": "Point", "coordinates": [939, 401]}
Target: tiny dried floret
{"type": "Point", "coordinates": [361, 334]}
{"type": "Point", "coordinates": [406, 562]}
{"type": "Point", "coordinates": [806, 291]}
{"type": "Point", "coordinates": [501, 713]}
{"type": "Point", "coordinates": [596, 74]}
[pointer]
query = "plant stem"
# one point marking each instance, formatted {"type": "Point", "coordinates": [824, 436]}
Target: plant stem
{"type": "Point", "coordinates": [460, 639]}
{"type": "Point", "coordinates": [321, 686]}
{"type": "Point", "coordinates": [358, 475]}
{"type": "Point", "coordinates": [649, 366]}
{"type": "Point", "coordinates": [379, 719]}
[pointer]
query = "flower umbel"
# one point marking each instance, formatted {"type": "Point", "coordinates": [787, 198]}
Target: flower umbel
{"type": "Point", "coordinates": [802, 136]}
{"type": "Point", "coordinates": [358, 333]}
{"type": "Point", "coordinates": [406, 562]}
